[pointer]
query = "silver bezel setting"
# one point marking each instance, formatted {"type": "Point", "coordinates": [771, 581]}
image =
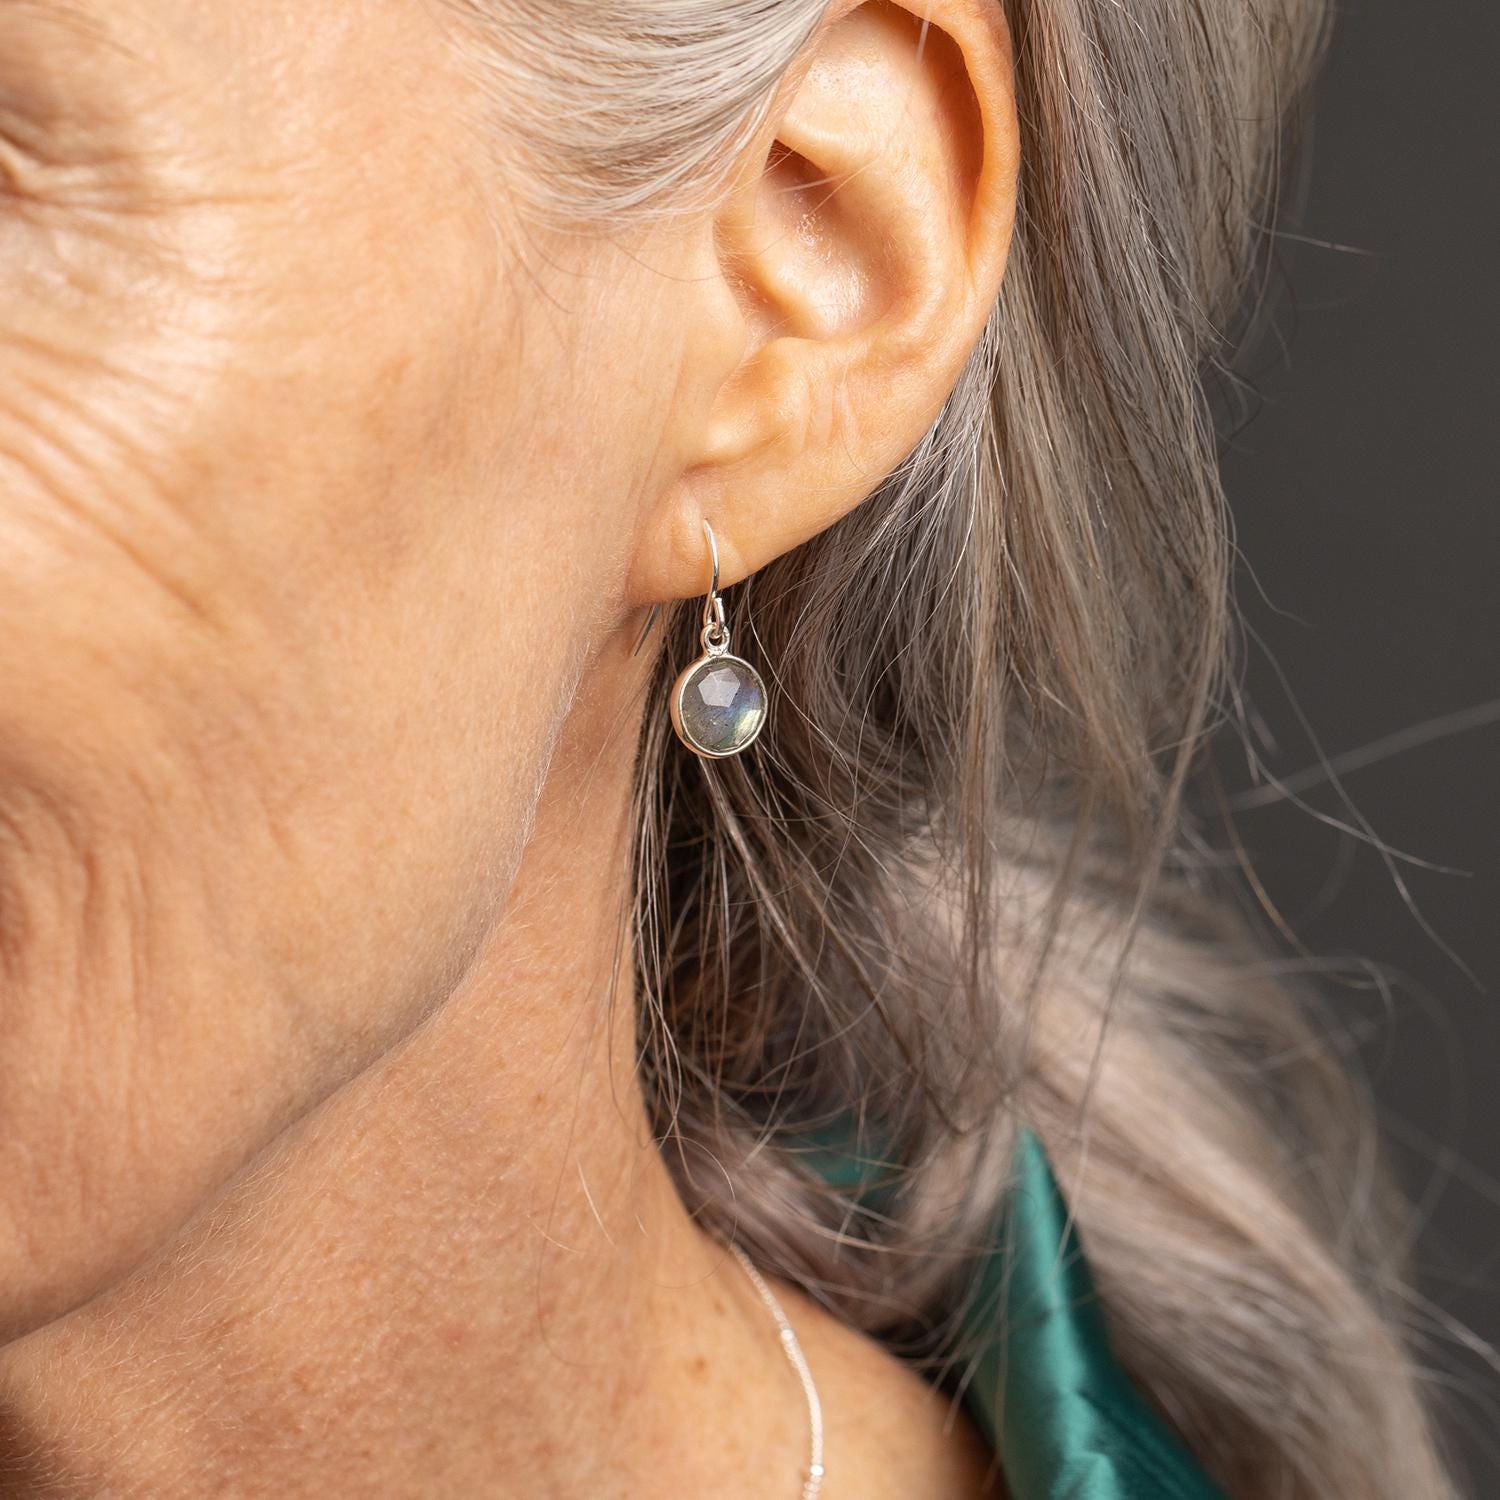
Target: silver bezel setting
{"type": "Point", "coordinates": [680, 686]}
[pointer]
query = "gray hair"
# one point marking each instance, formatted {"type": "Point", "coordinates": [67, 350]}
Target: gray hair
{"type": "Point", "coordinates": [954, 890]}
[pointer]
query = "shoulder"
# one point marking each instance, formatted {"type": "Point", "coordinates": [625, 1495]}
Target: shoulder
{"type": "Point", "coordinates": [888, 1432]}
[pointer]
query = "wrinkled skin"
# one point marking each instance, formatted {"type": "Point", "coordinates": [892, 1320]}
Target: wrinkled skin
{"type": "Point", "coordinates": [290, 584]}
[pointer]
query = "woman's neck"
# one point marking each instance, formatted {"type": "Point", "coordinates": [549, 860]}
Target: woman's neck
{"type": "Point", "coordinates": [466, 1273]}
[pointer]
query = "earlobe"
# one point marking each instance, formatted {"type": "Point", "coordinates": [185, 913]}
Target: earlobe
{"type": "Point", "coordinates": [864, 254]}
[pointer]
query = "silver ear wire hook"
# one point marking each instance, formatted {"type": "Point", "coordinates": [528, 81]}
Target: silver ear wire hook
{"type": "Point", "coordinates": [713, 605]}
{"type": "Point", "coordinates": [640, 640]}
{"type": "Point", "coordinates": [715, 632]}
{"type": "Point", "coordinates": [713, 552]}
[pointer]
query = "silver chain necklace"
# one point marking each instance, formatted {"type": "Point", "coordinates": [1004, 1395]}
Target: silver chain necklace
{"type": "Point", "coordinates": [812, 1484]}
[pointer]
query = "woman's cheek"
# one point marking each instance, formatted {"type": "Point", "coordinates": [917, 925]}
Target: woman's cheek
{"type": "Point", "coordinates": [274, 701]}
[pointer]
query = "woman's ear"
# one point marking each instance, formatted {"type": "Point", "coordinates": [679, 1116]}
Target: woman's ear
{"type": "Point", "coordinates": [855, 261]}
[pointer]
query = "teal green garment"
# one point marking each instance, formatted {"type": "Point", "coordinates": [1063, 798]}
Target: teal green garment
{"type": "Point", "coordinates": [1045, 1387]}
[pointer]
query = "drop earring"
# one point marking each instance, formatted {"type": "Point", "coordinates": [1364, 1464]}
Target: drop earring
{"type": "Point", "coordinates": [718, 702]}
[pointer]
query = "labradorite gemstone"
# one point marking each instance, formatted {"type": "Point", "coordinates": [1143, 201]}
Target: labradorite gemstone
{"type": "Point", "coordinates": [721, 704]}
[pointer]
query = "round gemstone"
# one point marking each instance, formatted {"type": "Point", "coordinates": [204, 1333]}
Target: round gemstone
{"type": "Point", "coordinates": [719, 705]}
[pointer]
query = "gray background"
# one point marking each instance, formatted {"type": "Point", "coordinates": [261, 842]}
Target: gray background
{"type": "Point", "coordinates": [1365, 489]}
